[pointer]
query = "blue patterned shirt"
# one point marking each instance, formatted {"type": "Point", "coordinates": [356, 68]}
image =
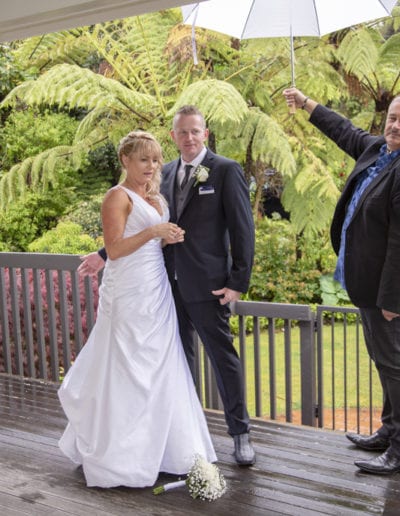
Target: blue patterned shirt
{"type": "Point", "coordinates": [363, 180]}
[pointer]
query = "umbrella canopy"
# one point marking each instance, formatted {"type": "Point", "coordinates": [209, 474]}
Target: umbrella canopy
{"type": "Point", "coordinates": [245, 19]}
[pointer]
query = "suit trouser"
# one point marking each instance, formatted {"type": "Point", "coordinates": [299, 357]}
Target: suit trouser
{"type": "Point", "coordinates": [383, 343]}
{"type": "Point", "coordinates": [211, 321]}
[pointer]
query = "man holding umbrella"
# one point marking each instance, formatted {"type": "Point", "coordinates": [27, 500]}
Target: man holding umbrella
{"type": "Point", "coordinates": [365, 235]}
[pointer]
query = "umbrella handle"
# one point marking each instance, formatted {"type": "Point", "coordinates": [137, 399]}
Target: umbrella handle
{"type": "Point", "coordinates": [292, 107]}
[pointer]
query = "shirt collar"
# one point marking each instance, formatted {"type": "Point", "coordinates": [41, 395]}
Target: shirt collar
{"type": "Point", "coordinates": [384, 150]}
{"type": "Point", "coordinates": [197, 160]}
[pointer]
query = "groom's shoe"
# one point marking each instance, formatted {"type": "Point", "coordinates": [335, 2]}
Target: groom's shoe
{"type": "Point", "coordinates": [244, 452]}
{"type": "Point", "coordinates": [385, 464]}
{"type": "Point", "coordinates": [374, 442]}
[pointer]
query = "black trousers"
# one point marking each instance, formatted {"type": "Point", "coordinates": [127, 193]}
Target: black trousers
{"type": "Point", "coordinates": [383, 343]}
{"type": "Point", "coordinates": [211, 321]}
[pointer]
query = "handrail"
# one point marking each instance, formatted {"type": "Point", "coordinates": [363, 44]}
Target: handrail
{"type": "Point", "coordinates": [47, 311]}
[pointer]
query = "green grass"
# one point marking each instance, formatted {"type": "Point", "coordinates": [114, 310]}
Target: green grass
{"type": "Point", "coordinates": [341, 363]}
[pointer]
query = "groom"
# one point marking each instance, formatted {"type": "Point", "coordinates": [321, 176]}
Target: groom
{"type": "Point", "coordinates": [212, 267]}
{"type": "Point", "coordinates": [208, 197]}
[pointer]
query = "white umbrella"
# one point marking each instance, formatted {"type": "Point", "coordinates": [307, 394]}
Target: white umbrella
{"type": "Point", "coordinates": [245, 19]}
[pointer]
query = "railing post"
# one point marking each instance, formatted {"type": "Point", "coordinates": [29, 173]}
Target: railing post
{"type": "Point", "coordinates": [308, 373]}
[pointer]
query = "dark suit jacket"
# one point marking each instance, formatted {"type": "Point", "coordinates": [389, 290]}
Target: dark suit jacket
{"type": "Point", "coordinates": [219, 241]}
{"type": "Point", "coordinates": [372, 260]}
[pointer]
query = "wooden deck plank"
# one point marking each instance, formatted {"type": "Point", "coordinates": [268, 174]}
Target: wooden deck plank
{"type": "Point", "coordinates": [300, 471]}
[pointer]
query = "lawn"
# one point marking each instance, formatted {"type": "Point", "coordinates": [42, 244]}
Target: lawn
{"type": "Point", "coordinates": [347, 373]}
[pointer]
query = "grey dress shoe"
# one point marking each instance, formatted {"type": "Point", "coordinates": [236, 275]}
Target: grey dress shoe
{"type": "Point", "coordinates": [374, 442]}
{"type": "Point", "coordinates": [244, 452]}
{"type": "Point", "coordinates": [385, 464]}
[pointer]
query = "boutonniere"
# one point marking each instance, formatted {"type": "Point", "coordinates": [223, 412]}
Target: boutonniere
{"type": "Point", "coordinates": [200, 174]}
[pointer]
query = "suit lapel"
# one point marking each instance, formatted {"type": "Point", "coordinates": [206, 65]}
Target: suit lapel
{"type": "Point", "coordinates": [375, 182]}
{"type": "Point", "coordinates": [208, 162]}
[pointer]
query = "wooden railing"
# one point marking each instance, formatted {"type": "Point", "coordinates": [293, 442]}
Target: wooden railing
{"type": "Point", "coordinates": [47, 311]}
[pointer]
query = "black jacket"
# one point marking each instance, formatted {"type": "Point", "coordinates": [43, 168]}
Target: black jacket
{"type": "Point", "coordinates": [218, 249]}
{"type": "Point", "coordinates": [372, 258]}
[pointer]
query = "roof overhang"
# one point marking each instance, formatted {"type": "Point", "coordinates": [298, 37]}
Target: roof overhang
{"type": "Point", "coordinates": [24, 18]}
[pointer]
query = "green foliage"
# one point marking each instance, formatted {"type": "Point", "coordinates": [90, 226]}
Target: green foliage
{"type": "Point", "coordinates": [65, 238]}
{"type": "Point", "coordinates": [134, 73]}
{"type": "Point", "coordinates": [11, 71]}
{"type": "Point", "coordinates": [285, 269]}
{"type": "Point", "coordinates": [44, 51]}
{"type": "Point", "coordinates": [29, 132]}
{"type": "Point", "coordinates": [234, 324]}
{"type": "Point", "coordinates": [100, 171]}
{"type": "Point", "coordinates": [225, 106]}
{"type": "Point", "coordinates": [26, 219]}
{"type": "Point", "coordinates": [332, 292]}
{"type": "Point", "coordinates": [87, 215]}
{"type": "Point", "coordinates": [372, 61]}
{"type": "Point", "coordinates": [70, 86]}
{"type": "Point", "coordinates": [250, 137]}
{"type": "Point", "coordinates": [311, 195]}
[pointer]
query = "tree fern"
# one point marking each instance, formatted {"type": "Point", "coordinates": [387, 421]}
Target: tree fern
{"type": "Point", "coordinates": [219, 101]}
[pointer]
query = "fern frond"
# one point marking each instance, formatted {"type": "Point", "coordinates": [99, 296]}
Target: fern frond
{"type": "Point", "coordinates": [70, 46]}
{"type": "Point", "coordinates": [33, 174]}
{"type": "Point", "coordinates": [135, 49]}
{"type": "Point", "coordinates": [311, 195]}
{"type": "Point", "coordinates": [74, 87]}
{"type": "Point", "coordinates": [14, 182]}
{"type": "Point", "coordinates": [358, 52]}
{"type": "Point", "coordinates": [270, 143]}
{"type": "Point", "coordinates": [219, 101]}
{"type": "Point", "coordinates": [36, 167]}
{"type": "Point", "coordinates": [389, 52]}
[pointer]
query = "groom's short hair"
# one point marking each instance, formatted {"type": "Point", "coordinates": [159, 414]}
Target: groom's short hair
{"type": "Point", "coordinates": [186, 111]}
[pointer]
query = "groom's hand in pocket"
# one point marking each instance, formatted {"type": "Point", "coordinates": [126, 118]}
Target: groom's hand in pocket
{"type": "Point", "coordinates": [226, 295]}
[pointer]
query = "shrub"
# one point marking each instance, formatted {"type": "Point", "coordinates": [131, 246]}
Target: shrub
{"type": "Point", "coordinates": [28, 218]}
{"type": "Point", "coordinates": [286, 269]}
{"type": "Point", "coordinates": [88, 215]}
{"type": "Point", "coordinates": [27, 133]}
{"type": "Point", "coordinates": [65, 238]}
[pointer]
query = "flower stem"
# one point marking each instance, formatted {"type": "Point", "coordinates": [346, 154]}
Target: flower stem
{"type": "Point", "coordinates": [167, 487]}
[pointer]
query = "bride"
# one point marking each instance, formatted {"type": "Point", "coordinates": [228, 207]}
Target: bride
{"type": "Point", "coordinates": [129, 397]}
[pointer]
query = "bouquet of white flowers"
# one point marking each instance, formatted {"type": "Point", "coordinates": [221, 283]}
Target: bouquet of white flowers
{"type": "Point", "coordinates": [204, 481]}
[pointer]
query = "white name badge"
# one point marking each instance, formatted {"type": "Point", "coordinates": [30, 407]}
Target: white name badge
{"type": "Point", "coordinates": [205, 190]}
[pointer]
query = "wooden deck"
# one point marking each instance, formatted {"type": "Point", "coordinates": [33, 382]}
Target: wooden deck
{"type": "Point", "coordinates": [299, 470]}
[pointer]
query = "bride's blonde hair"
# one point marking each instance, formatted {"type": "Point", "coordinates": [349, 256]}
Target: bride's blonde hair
{"type": "Point", "coordinates": [144, 144]}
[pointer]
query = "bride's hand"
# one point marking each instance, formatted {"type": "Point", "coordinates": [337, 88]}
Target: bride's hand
{"type": "Point", "coordinates": [169, 232]}
{"type": "Point", "coordinates": [178, 237]}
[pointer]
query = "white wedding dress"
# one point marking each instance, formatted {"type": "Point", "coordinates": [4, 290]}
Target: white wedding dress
{"type": "Point", "coordinates": [129, 397]}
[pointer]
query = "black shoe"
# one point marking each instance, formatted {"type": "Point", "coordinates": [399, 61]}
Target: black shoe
{"type": "Point", "coordinates": [383, 465]}
{"type": "Point", "coordinates": [244, 452]}
{"type": "Point", "coordinates": [374, 442]}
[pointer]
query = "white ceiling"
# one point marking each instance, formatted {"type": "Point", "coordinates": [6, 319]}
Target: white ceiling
{"type": "Point", "coordinates": [23, 18]}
